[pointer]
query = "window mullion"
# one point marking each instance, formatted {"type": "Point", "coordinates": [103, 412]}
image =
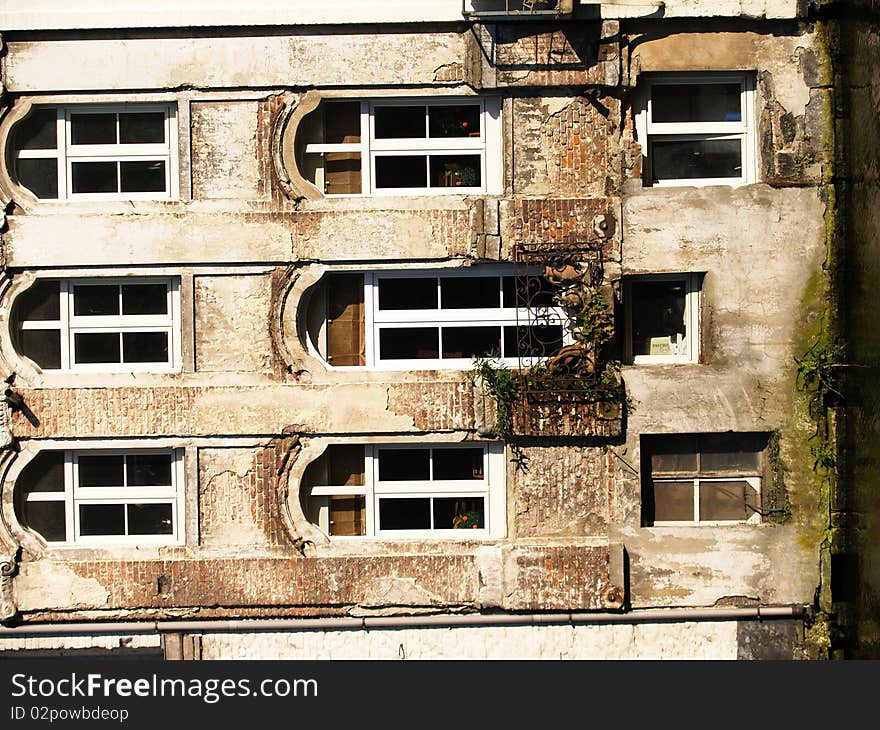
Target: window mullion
{"type": "Point", "coordinates": [697, 500]}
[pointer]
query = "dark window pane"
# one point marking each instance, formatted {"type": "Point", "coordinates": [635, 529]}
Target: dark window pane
{"type": "Point", "coordinates": [41, 303]}
{"type": "Point", "coordinates": [528, 292]}
{"type": "Point", "coordinates": [658, 318]}
{"type": "Point", "coordinates": [695, 103]}
{"type": "Point", "coordinates": [471, 341]}
{"type": "Point", "coordinates": [686, 160]}
{"type": "Point", "coordinates": [96, 347]}
{"type": "Point", "coordinates": [48, 519]}
{"type": "Point", "coordinates": [101, 519]}
{"type": "Point", "coordinates": [94, 177]}
{"type": "Point", "coordinates": [144, 299]}
{"type": "Point", "coordinates": [409, 343]}
{"type": "Point", "coordinates": [149, 519]}
{"type": "Point", "coordinates": [143, 176]}
{"type": "Point", "coordinates": [93, 129]}
{"type": "Point", "coordinates": [144, 347]}
{"type": "Point", "coordinates": [342, 173]}
{"type": "Point", "coordinates": [405, 513]}
{"type": "Point", "coordinates": [672, 454]}
{"type": "Point", "coordinates": [532, 341]}
{"type": "Point", "coordinates": [104, 470]}
{"type": "Point", "coordinates": [348, 515]}
{"type": "Point", "coordinates": [39, 175]}
{"type": "Point", "coordinates": [401, 171]}
{"type": "Point", "coordinates": [673, 501]}
{"type": "Point", "coordinates": [45, 473]}
{"type": "Point", "coordinates": [342, 122]}
{"type": "Point", "coordinates": [458, 513]}
{"type": "Point", "coordinates": [731, 453]}
{"type": "Point", "coordinates": [453, 171]}
{"type": "Point", "coordinates": [148, 470]}
{"type": "Point", "coordinates": [142, 128]}
{"type": "Point", "coordinates": [399, 122]}
{"type": "Point", "coordinates": [408, 293]}
{"type": "Point", "coordinates": [41, 346]}
{"type": "Point", "coordinates": [397, 465]}
{"type": "Point", "coordinates": [461, 120]}
{"type": "Point", "coordinates": [345, 465]}
{"type": "Point", "coordinates": [94, 300]}
{"type": "Point", "coordinates": [725, 500]}
{"type": "Point", "coordinates": [470, 292]}
{"type": "Point", "coordinates": [38, 131]}
{"type": "Point", "coordinates": [458, 463]}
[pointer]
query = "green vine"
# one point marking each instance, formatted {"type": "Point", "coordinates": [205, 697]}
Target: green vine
{"type": "Point", "coordinates": [594, 323]}
{"type": "Point", "coordinates": [815, 374]}
{"type": "Point", "coordinates": [502, 384]}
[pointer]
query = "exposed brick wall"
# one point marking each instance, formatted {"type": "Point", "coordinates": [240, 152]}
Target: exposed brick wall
{"type": "Point", "coordinates": [434, 406]}
{"type": "Point", "coordinates": [554, 221]}
{"type": "Point", "coordinates": [267, 114]}
{"type": "Point", "coordinates": [563, 491]}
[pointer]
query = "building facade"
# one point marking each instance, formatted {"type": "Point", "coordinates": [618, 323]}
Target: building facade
{"type": "Point", "coordinates": [483, 329]}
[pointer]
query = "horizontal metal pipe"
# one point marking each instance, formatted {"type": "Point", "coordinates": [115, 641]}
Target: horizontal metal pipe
{"type": "Point", "coordinates": [649, 615]}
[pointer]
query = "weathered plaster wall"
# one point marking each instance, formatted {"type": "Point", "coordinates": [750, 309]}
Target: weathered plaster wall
{"type": "Point", "coordinates": [221, 169]}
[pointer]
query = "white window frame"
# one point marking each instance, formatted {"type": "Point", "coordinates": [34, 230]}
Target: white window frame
{"type": "Point", "coordinates": [690, 348]}
{"type": "Point", "coordinates": [67, 153]}
{"type": "Point", "coordinates": [744, 130]}
{"type": "Point", "coordinates": [491, 488]}
{"type": "Point", "coordinates": [487, 145]}
{"type": "Point", "coordinates": [752, 481]}
{"type": "Point", "coordinates": [376, 320]}
{"type": "Point", "coordinates": [74, 495]}
{"type": "Point", "coordinates": [69, 325]}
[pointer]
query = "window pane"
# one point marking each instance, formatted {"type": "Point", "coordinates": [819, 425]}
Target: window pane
{"type": "Point", "coordinates": [148, 470]}
{"type": "Point", "coordinates": [672, 454]}
{"type": "Point", "coordinates": [143, 176]}
{"type": "Point", "coordinates": [46, 518]}
{"type": "Point", "coordinates": [144, 347]}
{"type": "Point", "coordinates": [101, 519]}
{"type": "Point", "coordinates": [673, 501]}
{"type": "Point", "coordinates": [461, 120]}
{"type": "Point", "coordinates": [468, 292]}
{"type": "Point", "coordinates": [532, 341]}
{"type": "Point", "coordinates": [452, 171]}
{"type": "Point", "coordinates": [93, 129]}
{"type": "Point", "coordinates": [695, 103]}
{"type": "Point", "coordinates": [405, 513]}
{"type": "Point", "coordinates": [103, 470]}
{"type": "Point", "coordinates": [346, 344]}
{"type": "Point", "coordinates": [94, 177]}
{"type": "Point", "coordinates": [342, 173]}
{"type": "Point", "coordinates": [38, 131]}
{"type": "Point", "coordinates": [658, 317]}
{"type": "Point", "coordinates": [348, 515]}
{"type": "Point", "coordinates": [471, 341]}
{"type": "Point", "coordinates": [45, 473]}
{"type": "Point", "coordinates": [144, 299]}
{"type": "Point", "coordinates": [399, 122]}
{"type": "Point", "coordinates": [150, 519]}
{"type": "Point", "coordinates": [401, 171]}
{"type": "Point", "coordinates": [142, 127]}
{"type": "Point", "coordinates": [41, 302]}
{"type": "Point", "coordinates": [458, 463]}
{"type": "Point", "coordinates": [408, 293]}
{"type": "Point", "coordinates": [689, 159]}
{"type": "Point", "coordinates": [409, 343]}
{"type": "Point", "coordinates": [41, 346]}
{"type": "Point", "coordinates": [397, 465]}
{"type": "Point", "coordinates": [725, 500]}
{"type": "Point", "coordinates": [345, 465]}
{"type": "Point", "coordinates": [94, 300]}
{"type": "Point", "coordinates": [342, 122]}
{"type": "Point", "coordinates": [731, 453]}
{"type": "Point", "coordinates": [528, 291]}
{"type": "Point", "coordinates": [96, 347]}
{"type": "Point", "coordinates": [39, 175]}
{"type": "Point", "coordinates": [458, 513]}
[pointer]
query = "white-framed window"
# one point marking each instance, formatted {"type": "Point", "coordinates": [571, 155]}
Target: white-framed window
{"type": "Point", "coordinates": [403, 146]}
{"type": "Point", "coordinates": [702, 479]}
{"type": "Point", "coordinates": [103, 496]}
{"type": "Point", "coordinates": [698, 129]}
{"type": "Point", "coordinates": [435, 319]}
{"type": "Point", "coordinates": [662, 315]}
{"type": "Point", "coordinates": [398, 491]}
{"type": "Point", "coordinates": [102, 324]}
{"type": "Point", "coordinates": [97, 151]}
